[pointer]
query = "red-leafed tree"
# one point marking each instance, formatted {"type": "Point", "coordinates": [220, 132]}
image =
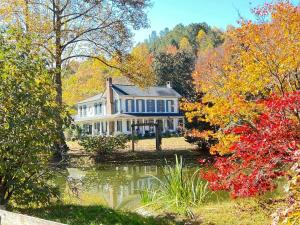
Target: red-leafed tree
{"type": "Point", "coordinates": [266, 148]}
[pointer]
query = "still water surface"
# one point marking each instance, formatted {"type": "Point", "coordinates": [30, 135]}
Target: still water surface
{"type": "Point", "coordinates": [117, 186]}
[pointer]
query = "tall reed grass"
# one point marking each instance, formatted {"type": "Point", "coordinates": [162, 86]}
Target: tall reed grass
{"type": "Point", "coordinates": [179, 189]}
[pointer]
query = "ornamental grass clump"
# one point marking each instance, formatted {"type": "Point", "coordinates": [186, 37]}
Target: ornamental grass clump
{"type": "Point", "coordinates": [178, 190]}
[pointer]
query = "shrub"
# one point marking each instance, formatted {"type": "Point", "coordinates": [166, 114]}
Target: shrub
{"type": "Point", "coordinates": [73, 133]}
{"type": "Point", "coordinates": [265, 150]}
{"type": "Point", "coordinates": [104, 144]}
{"type": "Point", "coordinates": [27, 124]}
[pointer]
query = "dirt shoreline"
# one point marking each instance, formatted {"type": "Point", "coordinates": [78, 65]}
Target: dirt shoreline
{"type": "Point", "coordinates": [139, 156]}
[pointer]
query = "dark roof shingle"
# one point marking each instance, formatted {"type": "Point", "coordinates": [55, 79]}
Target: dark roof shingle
{"type": "Point", "coordinates": [147, 92]}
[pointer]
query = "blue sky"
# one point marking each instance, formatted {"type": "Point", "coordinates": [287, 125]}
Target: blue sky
{"type": "Point", "coordinates": [218, 13]}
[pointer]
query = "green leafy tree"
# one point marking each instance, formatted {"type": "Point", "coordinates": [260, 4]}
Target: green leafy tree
{"type": "Point", "coordinates": [188, 33]}
{"type": "Point", "coordinates": [28, 128]}
{"type": "Point", "coordinates": [178, 69]}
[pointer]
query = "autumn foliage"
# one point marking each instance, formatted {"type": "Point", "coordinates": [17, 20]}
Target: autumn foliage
{"type": "Point", "coordinates": [251, 92]}
{"type": "Point", "coordinates": [264, 149]}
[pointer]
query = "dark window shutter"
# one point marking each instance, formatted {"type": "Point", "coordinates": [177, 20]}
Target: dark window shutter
{"type": "Point", "coordinates": [167, 105]}
{"type": "Point", "coordinates": [137, 105]}
{"type": "Point", "coordinates": [132, 105]}
{"type": "Point", "coordinates": [148, 105]}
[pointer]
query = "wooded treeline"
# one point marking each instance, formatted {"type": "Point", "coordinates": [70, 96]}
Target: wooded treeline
{"type": "Point", "coordinates": [169, 56]}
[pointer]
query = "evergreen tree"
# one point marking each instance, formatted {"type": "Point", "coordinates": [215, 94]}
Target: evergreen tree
{"type": "Point", "coordinates": [178, 69]}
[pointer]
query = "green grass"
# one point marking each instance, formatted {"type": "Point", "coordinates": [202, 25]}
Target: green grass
{"type": "Point", "coordinates": [183, 192]}
{"type": "Point", "coordinates": [225, 212]}
{"type": "Point", "coordinates": [172, 143]}
{"type": "Point", "coordinates": [93, 215]}
{"type": "Point", "coordinates": [232, 212]}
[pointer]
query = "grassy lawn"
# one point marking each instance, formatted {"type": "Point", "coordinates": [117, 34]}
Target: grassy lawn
{"type": "Point", "coordinates": [231, 212]}
{"type": "Point", "coordinates": [93, 215]}
{"type": "Point", "coordinates": [241, 212]}
{"type": "Point", "coordinates": [172, 143]}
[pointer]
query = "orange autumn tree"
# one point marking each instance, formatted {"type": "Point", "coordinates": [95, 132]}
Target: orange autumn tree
{"type": "Point", "coordinates": [257, 59]}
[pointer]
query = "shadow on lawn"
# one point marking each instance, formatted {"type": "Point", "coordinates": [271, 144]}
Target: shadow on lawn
{"type": "Point", "coordinates": [94, 215]}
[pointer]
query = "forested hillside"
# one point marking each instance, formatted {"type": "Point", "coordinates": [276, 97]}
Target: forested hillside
{"type": "Point", "coordinates": [195, 37]}
{"type": "Point", "coordinates": [167, 56]}
{"type": "Point", "coordinates": [175, 52]}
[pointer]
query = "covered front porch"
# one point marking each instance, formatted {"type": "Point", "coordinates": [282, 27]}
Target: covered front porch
{"type": "Point", "coordinates": [121, 124]}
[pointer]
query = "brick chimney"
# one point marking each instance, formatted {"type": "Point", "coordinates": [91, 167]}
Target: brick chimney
{"type": "Point", "coordinates": [168, 84]}
{"type": "Point", "coordinates": [109, 96]}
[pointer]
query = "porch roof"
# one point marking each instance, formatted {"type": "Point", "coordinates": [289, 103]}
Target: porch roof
{"type": "Point", "coordinates": [153, 114]}
{"type": "Point", "coordinates": [126, 115]}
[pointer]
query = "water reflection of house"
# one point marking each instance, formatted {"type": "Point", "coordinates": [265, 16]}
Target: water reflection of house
{"type": "Point", "coordinates": [122, 191]}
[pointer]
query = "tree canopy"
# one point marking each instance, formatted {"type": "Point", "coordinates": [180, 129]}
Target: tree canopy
{"type": "Point", "coordinates": [28, 125]}
{"type": "Point", "coordinates": [251, 89]}
{"type": "Point", "coordinates": [186, 35]}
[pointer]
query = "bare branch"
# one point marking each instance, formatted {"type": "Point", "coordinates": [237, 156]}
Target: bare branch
{"type": "Point", "coordinates": [92, 57]}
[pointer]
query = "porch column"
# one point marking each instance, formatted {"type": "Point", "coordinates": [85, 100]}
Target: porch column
{"type": "Point", "coordinates": [115, 127]}
{"type": "Point", "coordinates": [143, 127]}
{"type": "Point", "coordinates": [108, 128]}
{"type": "Point", "coordinates": [93, 129]}
{"type": "Point", "coordinates": [175, 124]}
{"type": "Point", "coordinates": [101, 128]}
{"type": "Point", "coordinates": [124, 126]}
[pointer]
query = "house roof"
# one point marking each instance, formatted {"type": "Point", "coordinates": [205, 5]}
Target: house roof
{"type": "Point", "coordinates": [132, 90]}
{"type": "Point", "coordinates": [93, 98]}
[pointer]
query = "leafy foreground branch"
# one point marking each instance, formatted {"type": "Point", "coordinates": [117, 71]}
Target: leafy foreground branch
{"type": "Point", "coordinates": [28, 127]}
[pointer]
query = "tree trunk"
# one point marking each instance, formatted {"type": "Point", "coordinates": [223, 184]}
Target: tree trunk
{"type": "Point", "coordinates": [60, 146]}
{"type": "Point", "coordinates": [3, 198]}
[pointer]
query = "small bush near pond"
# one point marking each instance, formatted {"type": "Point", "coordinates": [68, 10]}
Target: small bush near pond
{"type": "Point", "coordinates": [102, 144]}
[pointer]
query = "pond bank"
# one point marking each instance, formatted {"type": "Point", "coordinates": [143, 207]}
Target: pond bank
{"type": "Point", "coordinates": [139, 156]}
{"type": "Point", "coordinates": [145, 152]}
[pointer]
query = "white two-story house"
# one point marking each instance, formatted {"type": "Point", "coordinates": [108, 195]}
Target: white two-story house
{"type": "Point", "coordinates": [113, 111]}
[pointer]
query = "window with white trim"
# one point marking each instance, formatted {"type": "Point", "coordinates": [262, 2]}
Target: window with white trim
{"type": "Point", "coordinates": [150, 105]}
{"type": "Point", "coordinates": [129, 105]}
{"type": "Point", "coordinates": [140, 105]}
{"type": "Point", "coordinates": [160, 105]}
{"type": "Point", "coordinates": [170, 106]}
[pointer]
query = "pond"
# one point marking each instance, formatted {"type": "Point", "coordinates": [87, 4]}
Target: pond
{"type": "Point", "coordinates": [116, 186]}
